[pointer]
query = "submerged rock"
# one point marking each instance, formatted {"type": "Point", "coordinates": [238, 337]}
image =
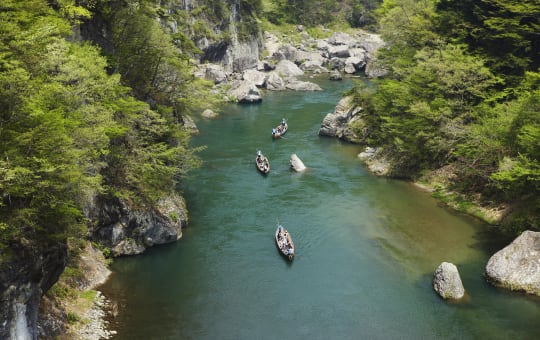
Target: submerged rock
{"type": "Point", "coordinates": [517, 266]}
{"type": "Point", "coordinates": [447, 282]}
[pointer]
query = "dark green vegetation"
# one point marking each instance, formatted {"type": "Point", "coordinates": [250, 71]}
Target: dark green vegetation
{"type": "Point", "coordinates": [463, 92]}
{"type": "Point", "coordinates": [356, 13]}
{"type": "Point", "coordinates": [70, 130]}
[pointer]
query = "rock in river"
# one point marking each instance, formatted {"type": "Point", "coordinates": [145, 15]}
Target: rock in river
{"type": "Point", "coordinates": [447, 282]}
{"type": "Point", "coordinates": [517, 266]}
{"type": "Point", "coordinates": [297, 164]}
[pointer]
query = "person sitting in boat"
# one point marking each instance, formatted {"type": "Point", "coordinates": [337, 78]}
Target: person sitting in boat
{"type": "Point", "coordinates": [274, 132]}
{"type": "Point", "coordinates": [259, 156]}
{"type": "Point", "coordinates": [283, 122]}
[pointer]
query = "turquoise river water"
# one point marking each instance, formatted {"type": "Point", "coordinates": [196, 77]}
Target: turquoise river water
{"type": "Point", "coordinates": [366, 247]}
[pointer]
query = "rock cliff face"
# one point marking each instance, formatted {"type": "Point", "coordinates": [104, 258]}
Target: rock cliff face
{"type": "Point", "coordinates": [31, 271]}
{"type": "Point", "coordinates": [337, 124]}
{"type": "Point", "coordinates": [129, 230]}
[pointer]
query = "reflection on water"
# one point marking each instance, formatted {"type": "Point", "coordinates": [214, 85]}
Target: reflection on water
{"type": "Point", "coordinates": [366, 247]}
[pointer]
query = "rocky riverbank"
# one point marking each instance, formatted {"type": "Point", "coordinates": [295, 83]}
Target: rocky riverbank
{"type": "Point", "coordinates": [73, 309]}
{"type": "Point", "coordinates": [341, 53]}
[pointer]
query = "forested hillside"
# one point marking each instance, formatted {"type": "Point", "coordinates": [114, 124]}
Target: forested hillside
{"type": "Point", "coordinates": [70, 129]}
{"type": "Point", "coordinates": [462, 95]}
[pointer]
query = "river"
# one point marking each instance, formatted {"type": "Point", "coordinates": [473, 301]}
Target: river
{"type": "Point", "coordinates": [366, 247]}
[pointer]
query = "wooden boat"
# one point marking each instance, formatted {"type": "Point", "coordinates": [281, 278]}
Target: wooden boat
{"type": "Point", "coordinates": [262, 163]}
{"type": "Point", "coordinates": [284, 242]}
{"type": "Point", "coordinates": [280, 130]}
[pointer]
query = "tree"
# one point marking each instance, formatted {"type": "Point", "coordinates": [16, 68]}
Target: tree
{"type": "Point", "coordinates": [505, 32]}
{"type": "Point", "coordinates": [425, 110]}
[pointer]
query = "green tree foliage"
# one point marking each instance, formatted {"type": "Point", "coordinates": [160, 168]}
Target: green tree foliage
{"type": "Point", "coordinates": [69, 130]}
{"type": "Point", "coordinates": [363, 13]}
{"type": "Point", "coordinates": [435, 98]}
{"type": "Point", "coordinates": [356, 13]}
{"type": "Point", "coordinates": [505, 32]}
{"type": "Point", "coordinates": [51, 123]}
{"type": "Point", "coordinates": [519, 169]}
{"type": "Point", "coordinates": [442, 103]}
{"type": "Point", "coordinates": [406, 26]}
{"type": "Point", "coordinates": [149, 61]}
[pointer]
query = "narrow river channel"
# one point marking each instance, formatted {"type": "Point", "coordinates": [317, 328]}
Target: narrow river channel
{"type": "Point", "coordinates": [366, 247]}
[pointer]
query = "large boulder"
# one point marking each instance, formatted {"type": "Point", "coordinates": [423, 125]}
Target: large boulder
{"type": "Point", "coordinates": [215, 73]}
{"type": "Point", "coordinates": [340, 38]}
{"type": "Point", "coordinates": [357, 62]}
{"type": "Point", "coordinates": [286, 52]}
{"type": "Point", "coordinates": [287, 68]}
{"type": "Point", "coordinates": [447, 282]}
{"type": "Point", "coordinates": [256, 77]}
{"type": "Point", "coordinates": [274, 82]}
{"type": "Point", "coordinates": [370, 42]}
{"type": "Point", "coordinates": [245, 92]}
{"type": "Point", "coordinates": [517, 266]}
{"type": "Point", "coordinates": [314, 67]}
{"type": "Point", "coordinates": [339, 51]}
{"type": "Point", "coordinates": [375, 70]}
{"type": "Point", "coordinates": [297, 85]}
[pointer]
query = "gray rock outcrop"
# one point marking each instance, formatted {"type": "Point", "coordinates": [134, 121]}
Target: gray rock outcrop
{"type": "Point", "coordinates": [517, 266]}
{"type": "Point", "coordinates": [129, 231]}
{"type": "Point", "coordinates": [256, 77]}
{"type": "Point", "coordinates": [274, 82]}
{"type": "Point", "coordinates": [189, 124]}
{"type": "Point", "coordinates": [24, 278]}
{"type": "Point", "coordinates": [447, 282]}
{"type": "Point", "coordinates": [375, 161]}
{"type": "Point", "coordinates": [337, 124]}
{"type": "Point", "coordinates": [215, 73]}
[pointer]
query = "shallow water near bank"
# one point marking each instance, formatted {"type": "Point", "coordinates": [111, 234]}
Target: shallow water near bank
{"type": "Point", "coordinates": [366, 247]}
